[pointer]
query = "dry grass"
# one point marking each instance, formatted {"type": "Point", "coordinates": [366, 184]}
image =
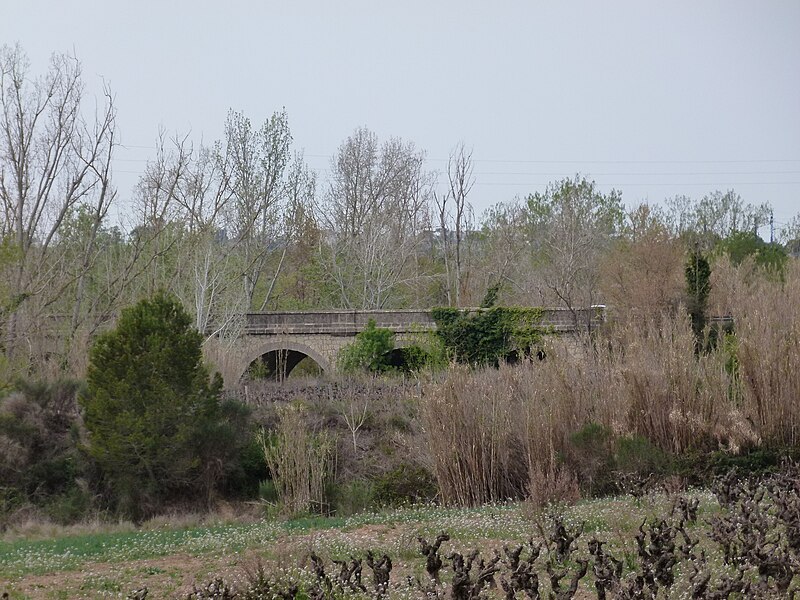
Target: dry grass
{"type": "Point", "coordinates": [494, 432]}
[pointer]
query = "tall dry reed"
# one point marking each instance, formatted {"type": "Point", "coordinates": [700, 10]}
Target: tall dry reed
{"type": "Point", "coordinates": [492, 432]}
{"type": "Point", "coordinates": [667, 393]}
{"type": "Point", "coordinates": [299, 461]}
{"type": "Point", "coordinates": [470, 421]}
{"type": "Point", "coordinates": [766, 314]}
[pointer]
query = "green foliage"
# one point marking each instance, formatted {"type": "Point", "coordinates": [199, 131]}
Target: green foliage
{"type": "Point", "coordinates": [598, 457]}
{"type": "Point", "coordinates": [590, 457]}
{"type": "Point", "coordinates": [637, 455]}
{"type": "Point", "coordinates": [157, 429]}
{"type": "Point", "coordinates": [741, 244]}
{"type": "Point", "coordinates": [698, 285]}
{"type": "Point", "coordinates": [404, 483]}
{"type": "Point", "coordinates": [488, 336]}
{"type": "Point", "coordinates": [490, 298]}
{"type": "Point", "coordinates": [581, 196]}
{"type": "Point", "coordinates": [412, 358]}
{"type": "Point", "coordinates": [425, 352]}
{"type": "Point", "coordinates": [700, 468]}
{"type": "Point", "coordinates": [267, 491]}
{"type": "Point", "coordinates": [573, 204]}
{"type": "Point", "coordinates": [353, 497]}
{"type": "Point", "coordinates": [369, 350]}
{"type": "Point", "coordinates": [373, 351]}
{"type": "Point", "coordinates": [248, 471]}
{"type": "Point", "coordinates": [70, 506]}
{"type": "Point", "coordinates": [257, 370]}
{"type": "Point", "coordinates": [744, 244]}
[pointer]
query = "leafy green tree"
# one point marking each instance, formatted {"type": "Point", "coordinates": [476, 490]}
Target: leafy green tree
{"type": "Point", "coordinates": [569, 227]}
{"type": "Point", "coordinates": [152, 410]}
{"type": "Point", "coordinates": [740, 245]}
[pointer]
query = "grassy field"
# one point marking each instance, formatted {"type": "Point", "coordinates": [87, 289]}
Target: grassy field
{"type": "Point", "coordinates": [170, 561]}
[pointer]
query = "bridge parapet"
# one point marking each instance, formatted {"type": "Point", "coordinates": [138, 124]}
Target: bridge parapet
{"type": "Point", "coordinates": [351, 322]}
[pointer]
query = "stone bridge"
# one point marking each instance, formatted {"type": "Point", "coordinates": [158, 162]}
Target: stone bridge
{"type": "Point", "coordinates": [280, 340]}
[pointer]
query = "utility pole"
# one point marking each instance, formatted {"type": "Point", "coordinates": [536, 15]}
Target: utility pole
{"type": "Point", "coordinates": [771, 226]}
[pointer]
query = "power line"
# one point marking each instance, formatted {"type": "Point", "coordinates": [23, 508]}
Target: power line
{"type": "Point", "coordinates": [321, 170]}
{"type": "Point", "coordinates": [551, 161]}
{"type": "Point", "coordinates": [606, 173]}
{"type": "Point", "coordinates": [663, 183]}
{"type": "Point", "coordinates": [632, 162]}
{"type": "Point", "coordinates": [647, 173]}
{"type": "Point", "coordinates": [603, 162]}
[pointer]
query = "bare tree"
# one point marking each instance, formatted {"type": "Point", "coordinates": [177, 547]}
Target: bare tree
{"type": "Point", "coordinates": [376, 211]}
{"type": "Point", "coordinates": [298, 217]}
{"type": "Point", "coordinates": [228, 213]}
{"type": "Point", "coordinates": [354, 411]}
{"type": "Point", "coordinates": [54, 161]}
{"type": "Point", "coordinates": [156, 207]}
{"type": "Point", "coordinates": [643, 271]}
{"type": "Point", "coordinates": [183, 199]}
{"type": "Point", "coordinates": [455, 219]}
{"type": "Point", "coordinates": [443, 219]}
{"type": "Point", "coordinates": [459, 175]}
{"type": "Point", "coordinates": [715, 216]}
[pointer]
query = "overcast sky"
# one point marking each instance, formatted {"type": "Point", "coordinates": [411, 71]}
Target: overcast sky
{"type": "Point", "coordinates": [653, 98]}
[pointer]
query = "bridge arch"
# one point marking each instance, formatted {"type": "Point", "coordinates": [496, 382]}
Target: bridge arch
{"type": "Point", "coordinates": [295, 351]}
{"type": "Point", "coordinates": [410, 353]}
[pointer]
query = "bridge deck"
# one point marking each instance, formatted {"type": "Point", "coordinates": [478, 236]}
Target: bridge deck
{"type": "Point", "coordinates": [351, 322]}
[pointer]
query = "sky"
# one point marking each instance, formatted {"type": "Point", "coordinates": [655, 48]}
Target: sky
{"type": "Point", "coordinates": [655, 99]}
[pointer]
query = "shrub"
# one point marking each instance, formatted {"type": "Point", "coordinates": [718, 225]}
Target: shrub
{"type": "Point", "coordinates": [405, 483]}
{"type": "Point", "coordinates": [636, 455]}
{"type": "Point", "coordinates": [353, 497]}
{"type": "Point", "coordinates": [249, 472]}
{"type": "Point", "coordinates": [267, 491]}
{"type": "Point", "coordinates": [373, 351]}
{"type": "Point", "coordinates": [369, 352]}
{"type": "Point", "coordinates": [598, 458]}
{"type": "Point", "coordinates": [551, 485]}
{"type": "Point", "coordinates": [157, 430]}
{"type": "Point", "coordinates": [590, 457]}
{"type": "Point", "coordinates": [771, 257]}
{"type": "Point", "coordinates": [409, 359]}
{"type": "Point", "coordinates": [39, 454]}
{"type": "Point", "coordinates": [70, 506]}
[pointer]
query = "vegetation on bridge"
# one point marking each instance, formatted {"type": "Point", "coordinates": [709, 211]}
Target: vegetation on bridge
{"type": "Point", "coordinates": [491, 335]}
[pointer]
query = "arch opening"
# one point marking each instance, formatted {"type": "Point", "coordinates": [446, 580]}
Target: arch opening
{"type": "Point", "coordinates": [277, 365]}
{"type": "Point", "coordinates": [407, 359]}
